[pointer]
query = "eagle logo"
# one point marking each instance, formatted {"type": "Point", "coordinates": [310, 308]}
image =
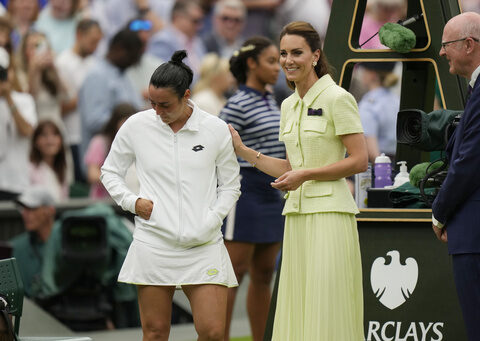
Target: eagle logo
{"type": "Point", "coordinates": [393, 283]}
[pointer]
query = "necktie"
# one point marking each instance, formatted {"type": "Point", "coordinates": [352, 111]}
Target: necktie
{"type": "Point", "coordinates": [469, 92]}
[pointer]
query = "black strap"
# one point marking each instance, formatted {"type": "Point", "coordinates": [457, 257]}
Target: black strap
{"type": "Point", "coordinates": [6, 318]}
{"type": "Point", "coordinates": [431, 176]}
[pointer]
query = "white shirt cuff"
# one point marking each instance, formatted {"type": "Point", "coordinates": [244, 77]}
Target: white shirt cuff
{"type": "Point", "coordinates": [436, 222]}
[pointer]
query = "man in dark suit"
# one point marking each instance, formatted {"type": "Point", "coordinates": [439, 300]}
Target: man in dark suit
{"type": "Point", "coordinates": [456, 209]}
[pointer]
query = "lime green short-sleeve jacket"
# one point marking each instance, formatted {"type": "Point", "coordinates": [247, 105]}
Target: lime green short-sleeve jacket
{"type": "Point", "coordinates": [311, 129]}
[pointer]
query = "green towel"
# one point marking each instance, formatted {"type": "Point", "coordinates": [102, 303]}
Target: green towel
{"type": "Point", "coordinates": [408, 196]}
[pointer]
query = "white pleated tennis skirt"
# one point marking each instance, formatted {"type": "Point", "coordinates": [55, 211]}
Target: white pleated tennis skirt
{"type": "Point", "coordinates": [146, 264]}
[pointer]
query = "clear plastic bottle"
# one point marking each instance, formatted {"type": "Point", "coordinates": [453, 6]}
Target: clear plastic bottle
{"type": "Point", "coordinates": [363, 181]}
{"type": "Point", "coordinates": [403, 176]}
{"type": "Point", "coordinates": [383, 171]}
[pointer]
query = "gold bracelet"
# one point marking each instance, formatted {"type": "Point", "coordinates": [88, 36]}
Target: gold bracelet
{"type": "Point", "coordinates": [258, 156]}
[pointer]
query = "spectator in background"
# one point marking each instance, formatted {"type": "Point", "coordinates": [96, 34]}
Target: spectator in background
{"type": "Point", "coordinates": [48, 161]}
{"type": "Point", "coordinates": [73, 65]}
{"type": "Point", "coordinates": [17, 121]}
{"type": "Point", "coordinates": [378, 109]}
{"type": "Point", "coordinates": [139, 73]}
{"type": "Point", "coordinates": [37, 207]}
{"type": "Point", "coordinates": [113, 15]}
{"type": "Point", "coordinates": [23, 13]}
{"type": "Point", "coordinates": [254, 228]}
{"type": "Point", "coordinates": [6, 32]}
{"type": "Point", "coordinates": [181, 34]}
{"type": "Point", "coordinates": [39, 76]}
{"type": "Point", "coordinates": [58, 21]}
{"type": "Point", "coordinates": [214, 82]}
{"type": "Point", "coordinates": [316, 12]}
{"type": "Point", "coordinates": [228, 24]}
{"type": "Point", "coordinates": [261, 17]}
{"type": "Point", "coordinates": [379, 12]}
{"type": "Point", "coordinates": [107, 85]}
{"type": "Point", "coordinates": [470, 6]}
{"type": "Point", "coordinates": [100, 146]}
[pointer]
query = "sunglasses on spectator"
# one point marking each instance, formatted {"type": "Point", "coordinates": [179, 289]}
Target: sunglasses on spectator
{"type": "Point", "coordinates": [140, 25]}
{"type": "Point", "coordinates": [236, 20]}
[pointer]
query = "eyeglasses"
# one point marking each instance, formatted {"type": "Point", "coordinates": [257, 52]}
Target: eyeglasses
{"type": "Point", "coordinates": [446, 43]}
{"type": "Point", "coordinates": [235, 20]}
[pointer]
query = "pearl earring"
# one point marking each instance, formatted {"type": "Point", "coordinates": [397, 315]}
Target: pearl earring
{"type": "Point", "coordinates": [314, 63]}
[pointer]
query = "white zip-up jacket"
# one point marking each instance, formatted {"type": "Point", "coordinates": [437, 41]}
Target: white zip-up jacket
{"type": "Point", "coordinates": [191, 176]}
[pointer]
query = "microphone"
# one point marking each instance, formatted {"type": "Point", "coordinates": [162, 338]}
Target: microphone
{"type": "Point", "coordinates": [397, 37]}
{"type": "Point", "coordinates": [410, 20]}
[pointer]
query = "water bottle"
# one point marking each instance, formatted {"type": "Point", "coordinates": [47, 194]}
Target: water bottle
{"type": "Point", "coordinates": [363, 181]}
{"type": "Point", "coordinates": [383, 171]}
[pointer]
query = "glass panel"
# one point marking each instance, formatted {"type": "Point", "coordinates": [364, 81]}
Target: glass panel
{"type": "Point", "coordinates": [377, 13]}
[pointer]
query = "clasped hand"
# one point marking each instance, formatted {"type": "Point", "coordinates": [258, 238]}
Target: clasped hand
{"type": "Point", "coordinates": [441, 233]}
{"type": "Point", "coordinates": [289, 181]}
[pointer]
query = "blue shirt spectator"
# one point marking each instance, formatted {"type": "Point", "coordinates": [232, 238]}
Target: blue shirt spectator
{"type": "Point", "coordinates": [182, 34]}
{"type": "Point", "coordinates": [103, 88]}
{"type": "Point", "coordinates": [378, 111]}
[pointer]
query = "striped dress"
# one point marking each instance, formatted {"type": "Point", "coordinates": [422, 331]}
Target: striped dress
{"type": "Point", "coordinates": [257, 216]}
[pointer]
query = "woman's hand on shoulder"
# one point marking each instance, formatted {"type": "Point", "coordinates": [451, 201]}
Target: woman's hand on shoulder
{"type": "Point", "coordinates": [143, 208]}
{"type": "Point", "coordinates": [290, 180]}
{"type": "Point", "coordinates": [236, 139]}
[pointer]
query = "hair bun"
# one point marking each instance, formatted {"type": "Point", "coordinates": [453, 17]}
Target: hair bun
{"type": "Point", "coordinates": [178, 57]}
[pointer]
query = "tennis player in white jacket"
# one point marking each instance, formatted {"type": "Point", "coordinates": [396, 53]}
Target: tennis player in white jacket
{"type": "Point", "coordinates": [189, 180]}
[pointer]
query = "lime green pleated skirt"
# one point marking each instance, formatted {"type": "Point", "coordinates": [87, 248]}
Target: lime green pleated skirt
{"type": "Point", "coordinates": [320, 294]}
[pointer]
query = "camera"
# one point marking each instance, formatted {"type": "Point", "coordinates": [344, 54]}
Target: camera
{"type": "Point", "coordinates": [426, 132]}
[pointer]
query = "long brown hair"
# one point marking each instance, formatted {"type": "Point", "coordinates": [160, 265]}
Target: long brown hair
{"type": "Point", "coordinates": [60, 162]}
{"type": "Point", "coordinates": [48, 77]}
{"type": "Point", "coordinates": [305, 30]}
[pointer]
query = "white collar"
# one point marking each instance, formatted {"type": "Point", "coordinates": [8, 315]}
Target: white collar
{"type": "Point", "coordinates": [475, 74]}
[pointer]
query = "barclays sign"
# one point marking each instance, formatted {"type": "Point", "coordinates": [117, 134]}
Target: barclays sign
{"type": "Point", "coordinates": [408, 287]}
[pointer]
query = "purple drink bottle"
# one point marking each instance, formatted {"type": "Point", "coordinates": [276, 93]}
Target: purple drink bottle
{"type": "Point", "coordinates": [383, 171]}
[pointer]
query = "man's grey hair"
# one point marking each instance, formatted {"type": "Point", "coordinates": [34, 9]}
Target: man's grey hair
{"type": "Point", "coordinates": [234, 4]}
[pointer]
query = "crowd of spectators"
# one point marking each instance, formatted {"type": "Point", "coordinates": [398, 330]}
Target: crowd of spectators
{"type": "Point", "coordinates": [71, 62]}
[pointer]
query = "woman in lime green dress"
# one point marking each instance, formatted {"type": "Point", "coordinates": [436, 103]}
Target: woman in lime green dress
{"type": "Point", "coordinates": [320, 290]}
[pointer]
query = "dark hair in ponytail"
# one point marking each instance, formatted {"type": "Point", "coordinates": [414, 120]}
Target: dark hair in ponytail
{"type": "Point", "coordinates": [173, 74]}
{"type": "Point", "coordinates": [251, 48]}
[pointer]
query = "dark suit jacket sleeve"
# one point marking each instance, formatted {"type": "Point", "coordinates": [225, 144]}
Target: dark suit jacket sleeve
{"type": "Point", "coordinates": [463, 177]}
